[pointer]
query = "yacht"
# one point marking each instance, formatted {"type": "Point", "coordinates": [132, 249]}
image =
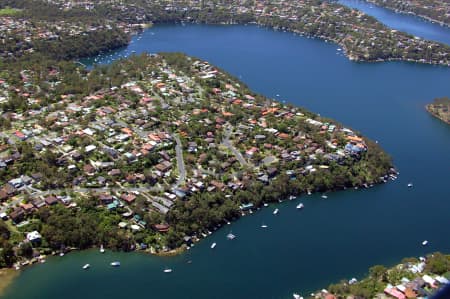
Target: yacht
{"type": "Point", "coordinates": [230, 236]}
{"type": "Point", "coordinates": [275, 211]}
{"type": "Point", "coordinates": [264, 226]}
{"type": "Point", "coordinates": [115, 264]}
{"type": "Point", "coordinates": [85, 267]}
{"type": "Point", "coordinates": [213, 245]}
{"type": "Point", "coordinates": [167, 270]}
{"type": "Point", "coordinates": [300, 206]}
{"type": "Point", "coordinates": [324, 196]}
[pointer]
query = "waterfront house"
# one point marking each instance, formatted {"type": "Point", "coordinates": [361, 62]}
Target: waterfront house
{"type": "Point", "coordinates": [34, 237]}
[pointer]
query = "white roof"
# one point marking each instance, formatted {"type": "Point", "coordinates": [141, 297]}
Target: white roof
{"type": "Point", "coordinates": [442, 279]}
{"type": "Point", "coordinates": [34, 235]}
{"type": "Point", "coordinates": [90, 148]}
{"type": "Point", "coordinates": [428, 279]}
{"type": "Point", "coordinates": [88, 131]}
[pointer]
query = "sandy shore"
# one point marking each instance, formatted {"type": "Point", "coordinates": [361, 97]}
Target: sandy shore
{"type": "Point", "coordinates": [6, 278]}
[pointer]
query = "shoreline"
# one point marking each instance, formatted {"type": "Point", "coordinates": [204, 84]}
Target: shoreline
{"type": "Point", "coordinates": [350, 57]}
{"type": "Point", "coordinates": [427, 107]}
{"type": "Point", "coordinates": [184, 248]}
{"type": "Point", "coordinates": [7, 276]}
{"type": "Point", "coordinates": [411, 13]}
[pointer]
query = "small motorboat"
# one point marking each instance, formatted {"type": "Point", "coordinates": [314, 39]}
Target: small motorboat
{"type": "Point", "coordinates": [324, 196]}
{"type": "Point", "coordinates": [115, 264]}
{"type": "Point", "coordinates": [410, 185]}
{"type": "Point", "coordinates": [167, 270]}
{"type": "Point", "coordinates": [102, 250]}
{"type": "Point", "coordinates": [266, 204]}
{"type": "Point", "coordinates": [264, 226]}
{"type": "Point", "coordinates": [297, 296]}
{"type": "Point", "coordinates": [87, 266]}
{"type": "Point", "coordinates": [300, 206]}
{"type": "Point", "coordinates": [424, 243]}
{"type": "Point", "coordinates": [213, 245]}
{"type": "Point", "coordinates": [276, 211]}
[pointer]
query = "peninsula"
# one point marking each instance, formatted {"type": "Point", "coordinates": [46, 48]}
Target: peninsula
{"type": "Point", "coordinates": [154, 152]}
{"type": "Point", "coordinates": [412, 278]}
{"type": "Point", "coordinates": [68, 29]}
{"type": "Point", "coordinates": [431, 10]}
{"type": "Point", "coordinates": [440, 108]}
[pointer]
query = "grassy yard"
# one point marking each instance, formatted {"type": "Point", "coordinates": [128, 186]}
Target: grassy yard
{"type": "Point", "coordinates": [8, 11]}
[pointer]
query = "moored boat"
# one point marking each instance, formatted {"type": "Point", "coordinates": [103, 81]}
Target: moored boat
{"type": "Point", "coordinates": [167, 270]}
{"type": "Point", "coordinates": [87, 266]}
{"type": "Point", "coordinates": [300, 206]}
{"type": "Point", "coordinates": [275, 211]}
{"type": "Point", "coordinates": [102, 250]}
{"type": "Point", "coordinates": [213, 245]}
{"type": "Point", "coordinates": [424, 243]}
{"type": "Point", "coordinates": [115, 264]}
{"type": "Point", "coordinates": [230, 236]}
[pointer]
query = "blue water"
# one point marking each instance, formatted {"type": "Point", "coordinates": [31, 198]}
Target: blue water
{"type": "Point", "coordinates": [403, 22]}
{"type": "Point", "coordinates": [331, 239]}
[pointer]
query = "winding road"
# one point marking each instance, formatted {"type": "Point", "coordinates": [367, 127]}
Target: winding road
{"type": "Point", "coordinates": [227, 143]}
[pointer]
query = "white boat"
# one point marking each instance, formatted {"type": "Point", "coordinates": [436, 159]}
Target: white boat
{"type": "Point", "coordinates": [275, 211]}
{"type": "Point", "coordinates": [230, 236]}
{"type": "Point", "coordinates": [292, 197]}
{"type": "Point", "coordinates": [297, 296]}
{"type": "Point", "coordinates": [266, 204]}
{"type": "Point", "coordinates": [324, 196]}
{"type": "Point", "coordinates": [61, 254]}
{"type": "Point", "coordinates": [264, 226]}
{"type": "Point", "coordinates": [167, 270]}
{"type": "Point", "coordinates": [410, 185]}
{"type": "Point", "coordinates": [85, 267]}
{"type": "Point", "coordinates": [102, 250]}
{"type": "Point", "coordinates": [115, 264]}
{"type": "Point", "coordinates": [213, 245]}
{"type": "Point", "coordinates": [424, 243]}
{"type": "Point", "coordinates": [300, 206]}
